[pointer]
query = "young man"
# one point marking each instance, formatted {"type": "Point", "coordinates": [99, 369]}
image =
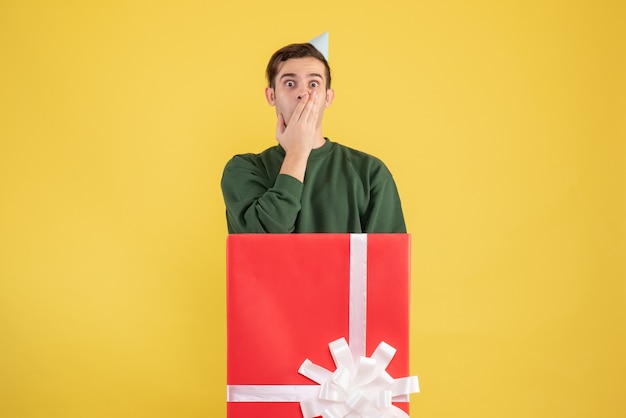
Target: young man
{"type": "Point", "coordinates": [307, 183]}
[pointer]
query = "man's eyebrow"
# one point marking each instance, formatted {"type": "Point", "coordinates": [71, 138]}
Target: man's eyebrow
{"type": "Point", "coordinates": [294, 75]}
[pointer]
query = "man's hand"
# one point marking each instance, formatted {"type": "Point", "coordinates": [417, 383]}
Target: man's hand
{"type": "Point", "coordinates": [298, 135]}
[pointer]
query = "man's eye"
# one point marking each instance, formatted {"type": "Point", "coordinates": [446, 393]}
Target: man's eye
{"type": "Point", "coordinates": [314, 84]}
{"type": "Point", "coordinates": [290, 84]}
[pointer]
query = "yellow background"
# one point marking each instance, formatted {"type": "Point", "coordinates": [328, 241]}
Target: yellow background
{"type": "Point", "coordinates": [502, 121]}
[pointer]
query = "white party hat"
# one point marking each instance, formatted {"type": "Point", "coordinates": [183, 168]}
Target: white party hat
{"type": "Point", "coordinates": [321, 44]}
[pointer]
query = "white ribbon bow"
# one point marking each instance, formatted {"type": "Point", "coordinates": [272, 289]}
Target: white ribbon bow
{"type": "Point", "coordinates": [354, 390]}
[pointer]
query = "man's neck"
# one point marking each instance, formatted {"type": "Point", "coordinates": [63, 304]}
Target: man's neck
{"type": "Point", "coordinates": [319, 142]}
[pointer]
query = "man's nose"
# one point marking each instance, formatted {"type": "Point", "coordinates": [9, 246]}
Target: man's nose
{"type": "Point", "coordinates": [303, 92]}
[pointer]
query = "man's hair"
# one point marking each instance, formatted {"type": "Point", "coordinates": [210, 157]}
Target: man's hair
{"type": "Point", "coordinates": [294, 51]}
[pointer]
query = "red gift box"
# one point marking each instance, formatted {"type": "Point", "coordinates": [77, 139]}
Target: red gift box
{"type": "Point", "coordinates": [290, 295]}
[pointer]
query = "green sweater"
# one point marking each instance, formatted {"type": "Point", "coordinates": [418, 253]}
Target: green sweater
{"type": "Point", "coordinates": [344, 191]}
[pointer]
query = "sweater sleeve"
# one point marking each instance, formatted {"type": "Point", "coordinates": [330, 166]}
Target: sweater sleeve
{"type": "Point", "coordinates": [257, 204]}
{"type": "Point", "coordinates": [384, 214]}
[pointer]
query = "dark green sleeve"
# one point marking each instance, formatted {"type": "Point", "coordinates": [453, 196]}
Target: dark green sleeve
{"type": "Point", "coordinates": [256, 203]}
{"type": "Point", "coordinates": [384, 213]}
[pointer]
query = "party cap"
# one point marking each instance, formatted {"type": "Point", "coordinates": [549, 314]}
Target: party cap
{"type": "Point", "coordinates": [321, 44]}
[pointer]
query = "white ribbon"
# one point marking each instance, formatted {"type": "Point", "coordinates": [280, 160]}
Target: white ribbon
{"type": "Point", "coordinates": [270, 393]}
{"type": "Point", "coordinates": [358, 294]}
{"type": "Point", "coordinates": [363, 389]}
{"type": "Point", "coordinates": [360, 386]}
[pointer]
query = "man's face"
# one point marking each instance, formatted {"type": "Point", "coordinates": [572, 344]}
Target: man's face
{"type": "Point", "coordinates": [295, 78]}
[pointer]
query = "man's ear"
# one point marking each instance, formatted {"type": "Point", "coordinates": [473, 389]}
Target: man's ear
{"type": "Point", "coordinates": [330, 96]}
{"type": "Point", "coordinates": [269, 96]}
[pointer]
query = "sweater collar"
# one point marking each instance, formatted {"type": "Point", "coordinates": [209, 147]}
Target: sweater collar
{"type": "Point", "coordinates": [317, 152]}
{"type": "Point", "coordinates": [323, 150]}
